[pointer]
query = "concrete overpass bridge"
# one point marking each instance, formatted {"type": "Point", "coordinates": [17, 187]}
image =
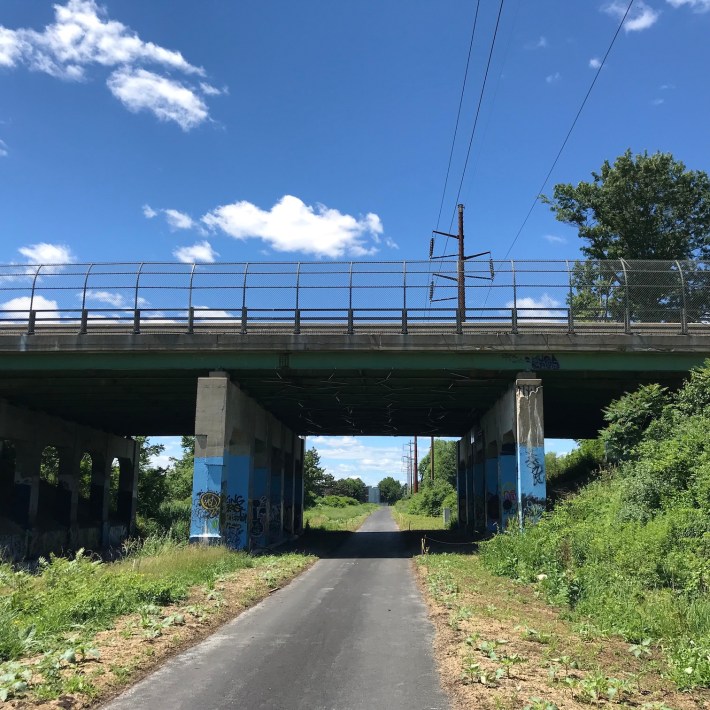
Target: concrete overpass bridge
{"type": "Point", "coordinates": [253, 357]}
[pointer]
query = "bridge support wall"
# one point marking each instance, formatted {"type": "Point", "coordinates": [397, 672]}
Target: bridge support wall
{"type": "Point", "coordinates": [248, 475]}
{"type": "Point", "coordinates": [60, 507]}
{"type": "Point", "coordinates": [502, 461]}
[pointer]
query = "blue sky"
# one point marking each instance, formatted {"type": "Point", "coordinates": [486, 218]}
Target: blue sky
{"type": "Point", "coordinates": [231, 131]}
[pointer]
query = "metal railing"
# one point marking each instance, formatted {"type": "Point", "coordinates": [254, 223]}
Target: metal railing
{"type": "Point", "coordinates": [357, 297]}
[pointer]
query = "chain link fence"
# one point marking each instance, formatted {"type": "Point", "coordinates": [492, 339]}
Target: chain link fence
{"type": "Point", "coordinates": [358, 297]}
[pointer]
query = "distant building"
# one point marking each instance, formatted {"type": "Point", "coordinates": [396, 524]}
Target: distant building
{"type": "Point", "coordinates": [373, 494]}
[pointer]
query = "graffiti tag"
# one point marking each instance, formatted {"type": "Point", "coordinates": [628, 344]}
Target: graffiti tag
{"type": "Point", "coordinates": [543, 362]}
{"type": "Point", "coordinates": [537, 469]}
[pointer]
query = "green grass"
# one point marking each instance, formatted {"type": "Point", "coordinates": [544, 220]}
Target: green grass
{"type": "Point", "coordinates": [54, 613]}
{"type": "Point", "coordinates": [350, 517]}
{"type": "Point", "coordinates": [410, 521]}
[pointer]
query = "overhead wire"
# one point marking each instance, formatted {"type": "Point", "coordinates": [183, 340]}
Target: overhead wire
{"type": "Point", "coordinates": [458, 113]}
{"type": "Point", "coordinates": [569, 133]}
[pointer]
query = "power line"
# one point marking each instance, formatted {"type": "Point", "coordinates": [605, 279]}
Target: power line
{"type": "Point", "coordinates": [478, 109]}
{"type": "Point", "coordinates": [458, 114]}
{"type": "Point", "coordinates": [569, 133]}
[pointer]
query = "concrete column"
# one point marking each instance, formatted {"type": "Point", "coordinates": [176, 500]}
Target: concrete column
{"type": "Point", "coordinates": [507, 482]}
{"type": "Point", "coordinates": [299, 451]}
{"type": "Point", "coordinates": [461, 492]}
{"type": "Point", "coordinates": [479, 482]}
{"type": "Point", "coordinates": [68, 488]}
{"type": "Point", "coordinates": [277, 483]}
{"type": "Point", "coordinates": [25, 499]}
{"type": "Point", "coordinates": [289, 482]}
{"type": "Point", "coordinates": [222, 468]}
{"type": "Point", "coordinates": [530, 436]}
{"type": "Point", "coordinates": [470, 489]}
{"type": "Point", "coordinates": [492, 494]}
{"type": "Point", "coordinates": [127, 497]}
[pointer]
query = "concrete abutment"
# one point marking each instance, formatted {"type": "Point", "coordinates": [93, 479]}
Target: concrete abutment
{"type": "Point", "coordinates": [42, 508]}
{"type": "Point", "coordinates": [248, 476]}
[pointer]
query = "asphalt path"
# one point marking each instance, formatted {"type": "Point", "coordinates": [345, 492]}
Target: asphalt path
{"type": "Point", "coordinates": [351, 633]}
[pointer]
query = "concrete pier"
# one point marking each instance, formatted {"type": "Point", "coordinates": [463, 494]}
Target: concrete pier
{"type": "Point", "coordinates": [246, 488]}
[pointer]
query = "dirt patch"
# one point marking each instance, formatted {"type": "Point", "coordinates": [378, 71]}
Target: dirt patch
{"type": "Point", "coordinates": [139, 643]}
{"type": "Point", "coordinates": [499, 646]}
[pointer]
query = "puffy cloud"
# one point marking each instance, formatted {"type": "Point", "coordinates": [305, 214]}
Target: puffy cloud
{"type": "Point", "coordinates": [200, 251]}
{"type": "Point", "coordinates": [551, 78]}
{"type": "Point", "coordinates": [43, 253]}
{"type": "Point", "coordinates": [695, 5]}
{"type": "Point", "coordinates": [539, 308]}
{"type": "Point", "coordinates": [82, 35]}
{"type": "Point", "coordinates": [167, 99]}
{"type": "Point", "coordinates": [641, 17]}
{"type": "Point", "coordinates": [292, 226]}
{"type": "Point", "coordinates": [149, 212]}
{"type": "Point", "coordinates": [47, 307]}
{"type": "Point", "coordinates": [116, 300]}
{"type": "Point", "coordinates": [3, 148]}
{"type": "Point", "coordinates": [595, 63]}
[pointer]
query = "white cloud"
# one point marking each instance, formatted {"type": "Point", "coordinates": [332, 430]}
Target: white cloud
{"type": "Point", "coordinates": [149, 212]}
{"type": "Point", "coordinates": [178, 220]}
{"type": "Point", "coordinates": [292, 226]}
{"type": "Point", "coordinates": [595, 63]}
{"type": "Point", "coordinates": [540, 43]}
{"type": "Point", "coordinates": [666, 87]}
{"type": "Point", "coordinates": [48, 308]}
{"type": "Point", "coordinates": [539, 308]}
{"type": "Point", "coordinates": [109, 297]}
{"type": "Point", "coordinates": [3, 148]}
{"type": "Point", "coordinates": [550, 78]}
{"type": "Point", "coordinates": [82, 35]}
{"type": "Point", "coordinates": [200, 251]}
{"type": "Point", "coordinates": [44, 253]}
{"type": "Point", "coordinates": [658, 102]}
{"type": "Point", "coordinates": [167, 99]}
{"type": "Point", "coordinates": [554, 239]}
{"type": "Point", "coordinates": [695, 5]}
{"type": "Point", "coordinates": [641, 17]}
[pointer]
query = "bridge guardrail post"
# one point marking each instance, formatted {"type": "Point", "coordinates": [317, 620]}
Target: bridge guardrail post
{"type": "Point", "coordinates": [136, 321]}
{"type": "Point", "coordinates": [31, 322]}
{"type": "Point", "coordinates": [570, 321]}
{"type": "Point", "coordinates": [404, 321]}
{"type": "Point", "coordinates": [514, 321]}
{"type": "Point", "coordinates": [191, 320]}
{"type": "Point", "coordinates": [459, 322]}
{"type": "Point", "coordinates": [243, 330]}
{"type": "Point", "coordinates": [297, 322]}
{"type": "Point", "coordinates": [84, 327]}
{"type": "Point", "coordinates": [627, 320]}
{"type": "Point", "coordinates": [351, 321]}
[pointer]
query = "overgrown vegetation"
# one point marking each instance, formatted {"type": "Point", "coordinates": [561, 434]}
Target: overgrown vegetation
{"type": "Point", "coordinates": [630, 554]}
{"type": "Point", "coordinates": [337, 513]}
{"type": "Point", "coordinates": [49, 619]}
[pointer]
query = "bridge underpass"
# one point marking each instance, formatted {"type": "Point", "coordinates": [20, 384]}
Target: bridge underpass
{"type": "Point", "coordinates": [401, 373]}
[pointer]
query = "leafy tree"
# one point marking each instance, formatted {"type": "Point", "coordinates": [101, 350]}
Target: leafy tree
{"type": "Point", "coordinates": [350, 487]}
{"type": "Point", "coordinates": [641, 207]}
{"type": "Point", "coordinates": [391, 490]}
{"type": "Point", "coordinates": [628, 418]}
{"type": "Point", "coordinates": [316, 481]}
{"type": "Point", "coordinates": [445, 464]}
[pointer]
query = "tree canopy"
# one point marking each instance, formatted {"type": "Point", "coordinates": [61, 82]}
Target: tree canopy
{"type": "Point", "coordinates": [640, 207]}
{"type": "Point", "coordinates": [316, 481]}
{"type": "Point", "coordinates": [391, 490]}
{"type": "Point", "coordinates": [444, 463]}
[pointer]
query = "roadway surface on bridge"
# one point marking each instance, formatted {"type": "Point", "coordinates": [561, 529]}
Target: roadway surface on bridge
{"type": "Point", "coordinates": [350, 634]}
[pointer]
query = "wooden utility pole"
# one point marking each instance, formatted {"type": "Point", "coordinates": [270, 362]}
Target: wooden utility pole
{"type": "Point", "coordinates": [432, 459]}
{"type": "Point", "coordinates": [416, 466]}
{"type": "Point", "coordinates": [460, 270]}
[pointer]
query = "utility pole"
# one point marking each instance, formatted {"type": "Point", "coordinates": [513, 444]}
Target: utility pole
{"type": "Point", "coordinates": [416, 466]}
{"type": "Point", "coordinates": [431, 459]}
{"type": "Point", "coordinates": [461, 275]}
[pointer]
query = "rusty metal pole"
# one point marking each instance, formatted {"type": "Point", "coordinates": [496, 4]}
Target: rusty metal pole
{"type": "Point", "coordinates": [416, 466]}
{"type": "Point", "coordinates": [432, 459]}
{"type": "Point", "coordinates": [461, 273]}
